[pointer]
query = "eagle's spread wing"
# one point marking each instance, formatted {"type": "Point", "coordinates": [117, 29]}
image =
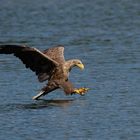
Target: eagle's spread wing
{"type": "Point", "coordinates": [38, 62]}
{"type": "Point", "coordinates": [56, 53]}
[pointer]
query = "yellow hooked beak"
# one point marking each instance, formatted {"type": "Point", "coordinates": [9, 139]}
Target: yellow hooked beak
{"type": "Point", "coordinates": [81, 66]}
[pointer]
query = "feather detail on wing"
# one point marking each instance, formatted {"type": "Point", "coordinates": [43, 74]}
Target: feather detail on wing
{"type": "Point", "coordinates": [56, 53]}
{"type": "Point", "coordinates": [32, 58]}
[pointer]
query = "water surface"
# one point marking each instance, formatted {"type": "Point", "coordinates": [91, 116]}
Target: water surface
{"type": "Point", "coordinates": [105, 36]}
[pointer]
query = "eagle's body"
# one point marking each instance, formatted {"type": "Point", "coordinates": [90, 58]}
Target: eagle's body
{"type": "Point", "coordinates": [48, 65]}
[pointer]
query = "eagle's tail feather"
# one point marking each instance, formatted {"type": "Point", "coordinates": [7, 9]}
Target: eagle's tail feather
{"type": "Point", "coordinates": [38, 95]}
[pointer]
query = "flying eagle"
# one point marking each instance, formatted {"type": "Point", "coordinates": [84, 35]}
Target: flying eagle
{"type": "Point", "coordinates": [49, 65]}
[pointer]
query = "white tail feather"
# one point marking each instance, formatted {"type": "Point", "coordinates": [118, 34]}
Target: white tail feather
{"type": "Point", "coordinates": [38, 95]}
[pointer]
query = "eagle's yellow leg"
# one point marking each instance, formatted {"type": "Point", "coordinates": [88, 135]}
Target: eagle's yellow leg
{"type": "Point", "coordinates": [81, 91]}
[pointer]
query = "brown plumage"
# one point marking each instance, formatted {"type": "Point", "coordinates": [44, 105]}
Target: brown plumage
{"type": "Point", "coordinates": [48, 65]}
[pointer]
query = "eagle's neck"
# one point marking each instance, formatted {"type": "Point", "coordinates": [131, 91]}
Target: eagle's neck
{"type": "Point", "coordinates": [69, 65]}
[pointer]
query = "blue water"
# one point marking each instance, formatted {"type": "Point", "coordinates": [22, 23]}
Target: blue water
{"type": "Point", "coordinates": [105, 35]}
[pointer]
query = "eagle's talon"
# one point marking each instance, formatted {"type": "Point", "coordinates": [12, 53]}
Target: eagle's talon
{"type": "Point", "coordinates": [81, 91]}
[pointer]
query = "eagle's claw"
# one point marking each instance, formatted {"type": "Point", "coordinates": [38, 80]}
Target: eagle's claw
{"type": "Point", "coordinates": [81, 91]}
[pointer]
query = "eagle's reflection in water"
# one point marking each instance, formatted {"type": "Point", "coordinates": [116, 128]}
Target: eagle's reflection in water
{"type": "Point", "coordinates": [42, 103]}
